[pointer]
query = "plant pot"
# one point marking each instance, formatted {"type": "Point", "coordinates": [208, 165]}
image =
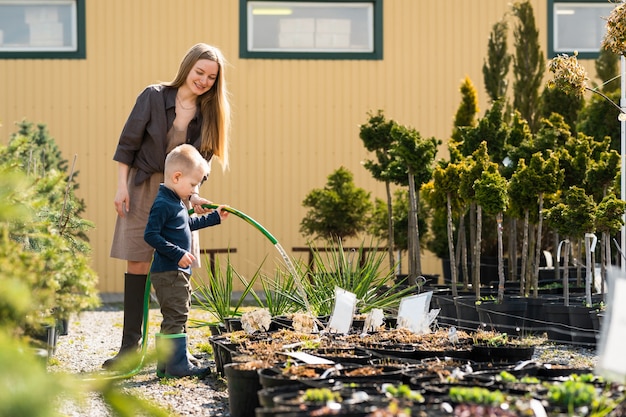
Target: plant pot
{"type": "Point", "coordinates": [537, 320]}
{"type": "Point", "coordinates": [274, 377]}
{"type": "Point", "coordinates": [283, 322]}
{"type": "Point", "coordinates": [223, 352]}
{"type": "Point", "coordinates": [369, 374]}
{"type": "Point", "coordinates": [506, 317]}
{"type": "Point", "coordinates": [392, 351]}
{"type": "Point", "coordinates": [217, 329]}
{"type": "Point", "coordinates": [466, 312]}
{"type": "Point", "coordinates": [243, 386]}
{"type": "Point", "coordinates": [266, 395]}
{"type": "Point", "coordinates": [344, 355]}
{"type": "Point", "coordinates": [502, 354]}
{"type": "Point", "coordinates": [63, 326]}
{"type": "Point", "coordinates": [233, 324]}
{"type": "Point", "coordinates": [557, 315]}
{"type": "Point", "coordinates": [581, 324]}
{"type": "Point", "coordinates": [447, 316]}
{"type": "Point", "coordinates": [422, 354]}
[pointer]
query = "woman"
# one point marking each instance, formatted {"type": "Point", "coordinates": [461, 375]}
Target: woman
{"type": "Point", "coordinates": [193, 108]}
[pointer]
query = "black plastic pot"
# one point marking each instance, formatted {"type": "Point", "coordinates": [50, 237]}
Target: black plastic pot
{"type": "Point", "coordinates": [243, 386]}
{"type": "Point", "coordinates": [502, 354]}
{"type": "Point", "coordinates": [581, 324]}
{"type": "Point", "coordinates": [506, 317]}
{"type": "Point", "coordinates": [466, 312]}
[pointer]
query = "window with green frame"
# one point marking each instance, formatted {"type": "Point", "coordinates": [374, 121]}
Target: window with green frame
{"type": "Point", "coordinates": [577, 25]}
{"type": "Point", "coordinates": [314, 29]}
{"type": "Point", "coordinates": [40, 29]}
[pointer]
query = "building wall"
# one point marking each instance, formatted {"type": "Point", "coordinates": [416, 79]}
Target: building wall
{"type": "Point", "coordinates": [295, 121]}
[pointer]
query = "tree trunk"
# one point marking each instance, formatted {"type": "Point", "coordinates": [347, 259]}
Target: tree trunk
{"type": "Point", "coordinates": [523, 289]}
{"type": "Point", "coordinates": [512, 249]}
{"type": "Point", "coordinates": [453, 267]}
{"type": "Point", "coordinates": [413, 238]}
{"type": "Point", "coordinates": [589, 266]}
{"type": "Point", "coordinates": [462, 244]}
{"type": "Point", "coordinates": [566, 248]}
{"type": "Point", "coordinates": [390, 240]}
{"type": "Point", "coordinates": [472, 232]}
{"type": "Point", "coordinates": [579, 268]}
{"type": "Point", "coordinates": [500, 260]}
{"type": "Point", "coordinates": [605, 258]}
{"type": "Point", "coordinates": [530, 265]}
{"type": "Point", "coordinates": [477, 249]}
{"type": "Point", "coordinates": [535, 277]}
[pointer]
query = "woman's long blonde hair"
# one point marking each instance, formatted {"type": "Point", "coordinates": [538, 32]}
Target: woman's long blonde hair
{"type": "Point", "coordinates": [214, 104]}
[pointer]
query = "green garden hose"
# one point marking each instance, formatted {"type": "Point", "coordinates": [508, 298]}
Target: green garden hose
{"type": "Point", "coordinates": [244, 216]}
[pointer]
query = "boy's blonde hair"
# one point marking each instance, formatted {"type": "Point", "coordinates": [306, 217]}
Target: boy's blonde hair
{"type": "Point", "coordinates": [186, 159]}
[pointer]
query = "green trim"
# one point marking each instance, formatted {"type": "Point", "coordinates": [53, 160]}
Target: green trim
{"type": "Point", "coordinates": [550, 30]}
{"type": "Point", "coordinates": [79, 53]}
{"type": "Point", "coordinates": [378, 38]}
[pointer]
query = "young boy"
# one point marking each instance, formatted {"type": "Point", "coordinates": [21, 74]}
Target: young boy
{"type": "Point", "coordinates": [169, 232]}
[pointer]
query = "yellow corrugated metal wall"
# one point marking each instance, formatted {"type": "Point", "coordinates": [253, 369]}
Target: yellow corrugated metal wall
{"type": "Point", "coordinates": [295, 121]}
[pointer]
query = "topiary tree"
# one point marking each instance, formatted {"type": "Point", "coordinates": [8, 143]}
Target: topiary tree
{"type": "Point", "coordinates": [491, 195]}
{"type": "Point", "coordinates": [376, 137]}
{"type": "Point", "coordinates": [417, 154]}
{"type": "Point", "coordinates": [572, 216]}
{"type": "Point", "coordinates": [444, 190]}
{"type": "Point", "coordinates": [609, 220]}
{"type": "Point", "coordinates": [337, 211]}
{"type": "Point", "coordinates": [472, 171]}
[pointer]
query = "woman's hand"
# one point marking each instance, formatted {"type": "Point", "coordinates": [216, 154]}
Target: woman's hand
{"type": "Point", "coordinates": [122, 201]}
{"type": "Point", "coordinates": [196, 203]}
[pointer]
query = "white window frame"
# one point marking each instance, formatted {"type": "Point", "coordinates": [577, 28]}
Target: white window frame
{"type": "Point", "coordinates": [49, 28]}
{"type": "Point", "coordinates": [344, 29]}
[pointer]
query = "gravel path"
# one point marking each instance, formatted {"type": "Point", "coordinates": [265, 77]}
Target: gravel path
{"type": "Point", "coordinates": [95, 336]}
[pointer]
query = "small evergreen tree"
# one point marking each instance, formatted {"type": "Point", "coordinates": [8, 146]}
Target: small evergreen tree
{"type": "Point", "coordinates": [468, 108]}
{"type": "Point", "coordinates": [496, 66]}
{"type": "Point", "coordinates": [337, 211]}
{"type": "Point", "coordinates": [529, 64]}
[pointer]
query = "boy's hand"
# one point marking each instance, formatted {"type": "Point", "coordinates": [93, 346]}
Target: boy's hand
{"type": "Point", "coordinates": [186, 260]}
{"type": "Point", "coordinates": [222, 212]}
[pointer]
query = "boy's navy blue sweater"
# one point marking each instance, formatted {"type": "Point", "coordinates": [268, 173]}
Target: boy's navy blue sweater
{"type": "Point", "coordinates": [169, 230]}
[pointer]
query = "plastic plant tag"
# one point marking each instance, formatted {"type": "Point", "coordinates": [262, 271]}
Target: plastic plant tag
{"type": "Point", "coordinates": [374, 319]}
{"type": "Point", "coordinates": [413, 313]}
{"type": "Point", "coordinates": [343, 313]}
{"type": "Point", "coordinates": [309, 359]}
{"type": "Point", "coordinates": [611, 359]}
